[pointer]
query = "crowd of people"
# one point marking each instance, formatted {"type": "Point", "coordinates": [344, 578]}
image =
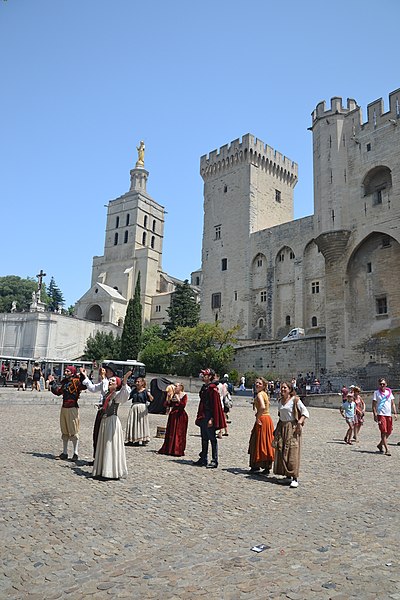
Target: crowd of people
{"type": "Point", "coordinates": [271, 449]}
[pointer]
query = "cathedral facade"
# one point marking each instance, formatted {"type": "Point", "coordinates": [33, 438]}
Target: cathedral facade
{"type": "Point", "coordinates": [332, 273]}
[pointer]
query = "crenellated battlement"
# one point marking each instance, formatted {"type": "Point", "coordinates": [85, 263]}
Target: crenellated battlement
{"type": "Point", "coordinates": [249, 150]}
{"type": "Point", "coordinates": [376, 117]}
{"type": "Point", "coordinates": [336, 108]}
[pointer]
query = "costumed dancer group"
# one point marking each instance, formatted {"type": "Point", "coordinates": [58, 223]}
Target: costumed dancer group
{"type": "Point", "coordinates": [280, 447]}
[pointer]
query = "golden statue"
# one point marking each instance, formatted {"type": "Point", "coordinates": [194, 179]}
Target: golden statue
{"type": "Point", "coordinates": [140, 149]}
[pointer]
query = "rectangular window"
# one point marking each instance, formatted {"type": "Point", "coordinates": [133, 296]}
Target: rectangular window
{"type": "Point", "coordinates": [217, 230]}
{"type": "Point", "coordinates": [386, 241]}
{"type": "Point", "coordinates": [369, 267]}
{"type": "Point", "coordinates": [259, 262]}
{"type": "Point", "coordinates": [378, 196]}
{"type": "Point", "coordinates": [381, 305]}
{"type": "Point", "coordinates": [263, 296]}
{"type": "Point", "coordinates": [235, 295]}
{"type": "Point", "coordinates": [224, 264]}
{"type": "Point", "coordinates": [315, 287]}
{"type": "Point", "coordinates": [158, 308]}
{"type": "Point", "coordinates": [278, 196]}
{"type": "Point", "coordinates": [368, 147]}
{"type": "Point", "coordinates": [216, 300]}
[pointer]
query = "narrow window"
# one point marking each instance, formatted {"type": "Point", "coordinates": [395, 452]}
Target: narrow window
{"type": "Point", "coordinates": [287, 319]}
{"type": "Point", "coordinates": [278, 196]}
{"type": "Point", "coordinates": [145, 221]}
{"type": "Point", "coordinates": [368, 147]}
{"type": "Point", "coordinates": [153, 239]}
{"type": "Point", "coordinates": [128, 216]}
{"type": "Point", "coordinates": [315, 287]}
{"type": "Point", "coordinates": [197, 281]}
{"type": "Point", "coordinates": [378, 196]}
{"type": "Point", "coordinates": [144, 238]}
{"type": "Point", "coordinates": [115, 239]}
{"type": "Point", "coordinates": [259, 262]}
{"type": "Point", "coordinates": [217, 230]}
{"type": "Point", "coordinates": [154, 225]}
{"type": "Point", "coordinates": [235, 296]}
{"type": "Point", "coordinates": [263, 296]}
{"type": "Point", "coordinates": [116, 222]}
{"type": "Point", "coordinates": [125, 237]}
{"type": "Point", "coordinates": [381, 305]}
{"type": "Point", "coordinates": [314, 322]}
{"type": "Point", "coordinates": [369, 267]}
{"type": "Point", "coordinates": [261, 323]}
{"type": "Point", "coordinates": [224, 264]}
{"type": "Point", "coordinates": [216, 300]}
{"type": "Point", "coordinates": [292, 256]}
{"type": "Point", "coordinates": [225, 189]}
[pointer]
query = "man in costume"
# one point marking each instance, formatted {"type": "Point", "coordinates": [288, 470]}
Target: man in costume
{"type": "Point", "coordinates": [69, 388]}
{"type": "Point", "coordinates": [210, 418]}
{"type": "Point", "coordinates": [105, 373]}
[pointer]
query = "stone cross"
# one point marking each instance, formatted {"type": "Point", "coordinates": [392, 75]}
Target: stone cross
{"type": "Point", "coordinates": [40, 278]}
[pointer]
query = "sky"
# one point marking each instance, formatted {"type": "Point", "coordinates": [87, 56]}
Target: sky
{"type": "Point", "coordinates": [83, 81]}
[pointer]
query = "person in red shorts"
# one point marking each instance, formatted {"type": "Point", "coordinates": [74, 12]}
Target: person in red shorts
{"type": "Point", "coordinates": [383, 406]}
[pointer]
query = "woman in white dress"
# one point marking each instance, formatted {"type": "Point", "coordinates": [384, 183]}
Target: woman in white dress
{"type": "Point", "coordinates": [110, 458]}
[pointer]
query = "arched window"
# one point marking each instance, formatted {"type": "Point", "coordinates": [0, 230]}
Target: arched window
{"type": "Point", "coordinates": [125, 237]}
{"type": "Point", "coordinates": [261, 322]}
{"type": "Point", "coordinates": [115, 239]}
{"type": "Point", "coordinates": [287, 319]}
{"type": "Point", "coordinates": [128, 216]}
{"type": "Point", "coordinates": [377, 183]}
{"type": "Point", "coordinates": [145, 221]}
{"type": "Point", "coordinates": [144, 238]}
{"type": "Point", "coordinates": [314, 321]}
{"type": "Point", "coordinates": [153, 239]}
{"type": "Point", "coordinates": [154, 225]}
{"type": "Point", "coordinates": [116, 222]}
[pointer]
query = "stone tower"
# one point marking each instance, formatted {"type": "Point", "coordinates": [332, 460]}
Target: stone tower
{"type": "Point", "coordinates": [248, 187]}
{"type": "Point", "coordinates": [357, 210]}
{"type": "Point", "coordinates": [133, 243]}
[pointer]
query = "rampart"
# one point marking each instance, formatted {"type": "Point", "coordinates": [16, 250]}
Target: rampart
{"type": "Point", "coordinates": [250, 150]}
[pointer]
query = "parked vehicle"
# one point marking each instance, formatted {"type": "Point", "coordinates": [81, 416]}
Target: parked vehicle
{"type": "Point", "coordinates": [294, 334]}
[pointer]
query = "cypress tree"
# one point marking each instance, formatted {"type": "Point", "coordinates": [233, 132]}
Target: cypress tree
{"type": "Point", "coordinates": [132, 332]}
{"type": "Point", "coordinates": [184, 310]}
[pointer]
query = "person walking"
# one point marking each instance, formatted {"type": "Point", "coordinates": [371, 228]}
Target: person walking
{"type": "Point", "coordinates": [359, 412]}
{"type": "Point", "coordinates": [22, 376]}
{"type": "Point", "coordinates": [262, 435]}
{"type": "Point", "coordinates": [288, 434]}
{"type": "Point", "coordinates": [210, 418]}
{"type": "Point", "coordinates": [36, 375]}
{"type": "Point", "coordinates": [69, 388]}
{"type": "Point", "coordinates": [110, 457]}
{"type": "Point", "coordinates": [382, 407]}
{"type": "Point", "coordinates": [177, 424]}
{"type": "Point", "coordinates": [347, 410]}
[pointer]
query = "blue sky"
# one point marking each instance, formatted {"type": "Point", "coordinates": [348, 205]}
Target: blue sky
{"type": "Point", "coordinates": [82, 81]}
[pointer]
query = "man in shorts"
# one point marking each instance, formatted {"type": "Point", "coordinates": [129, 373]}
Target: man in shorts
{"type": "Point", "coordinates": [383, 406]}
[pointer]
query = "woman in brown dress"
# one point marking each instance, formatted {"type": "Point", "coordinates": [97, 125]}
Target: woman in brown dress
{"type": "Point", "coordinates": [260, 445]}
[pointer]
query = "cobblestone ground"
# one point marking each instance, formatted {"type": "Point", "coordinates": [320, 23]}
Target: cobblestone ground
{"type": "Point", "coordinates": [174, 531]}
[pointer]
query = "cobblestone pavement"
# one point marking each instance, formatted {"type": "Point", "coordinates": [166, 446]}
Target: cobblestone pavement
{"type": "Point", "coordinates": [174, 531]}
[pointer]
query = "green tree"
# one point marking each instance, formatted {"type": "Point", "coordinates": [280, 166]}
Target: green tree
{"type": "Point", "coordinates": [101, 346]}
{"type": "Point", "coordinates": [19, 290]}
{"type": "Point", "coordinates": [184, 310]}
{"type": "Point", "coordinates": [55, 295]}
{"type": "Point", "coordinates": [205, 345]}
{"type": "Point", "coordinates": [152, 333]}
{"type": "Point", "coordinates": [132, 332]}
{"type": "Point", "coordinates": [157, 355]}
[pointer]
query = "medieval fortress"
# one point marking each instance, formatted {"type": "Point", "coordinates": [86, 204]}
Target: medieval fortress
{"type": "Point", "coordinates": [333, 274]}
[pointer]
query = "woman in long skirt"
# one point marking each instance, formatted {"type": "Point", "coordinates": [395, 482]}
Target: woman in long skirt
{"type": "Point", "coordinates": [110, 458]}
{"type": "Point", "coordinates": [260, 445]}
{"type": "Point", "coordinates": [287, 436]}
{"type": "Point", "coordinates": [137, 426]}
{"type": "Point", "coordinates": [175, 434]}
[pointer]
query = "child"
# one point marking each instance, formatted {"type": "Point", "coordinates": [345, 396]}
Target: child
{"type": "Point", "coordinates": [347, 410]}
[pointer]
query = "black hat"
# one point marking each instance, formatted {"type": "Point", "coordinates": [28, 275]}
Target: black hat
{"type": "Point", "coordinates": [112, 366]}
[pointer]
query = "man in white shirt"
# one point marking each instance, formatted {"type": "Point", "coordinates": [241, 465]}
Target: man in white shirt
{"type": "Point", "coordinates": [383, 406]}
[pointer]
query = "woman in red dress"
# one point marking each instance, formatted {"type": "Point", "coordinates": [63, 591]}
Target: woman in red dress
{"type": "Point", "coordinates": [175, 434]}
{"type": "Point", "coordinates": [260, 445]}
